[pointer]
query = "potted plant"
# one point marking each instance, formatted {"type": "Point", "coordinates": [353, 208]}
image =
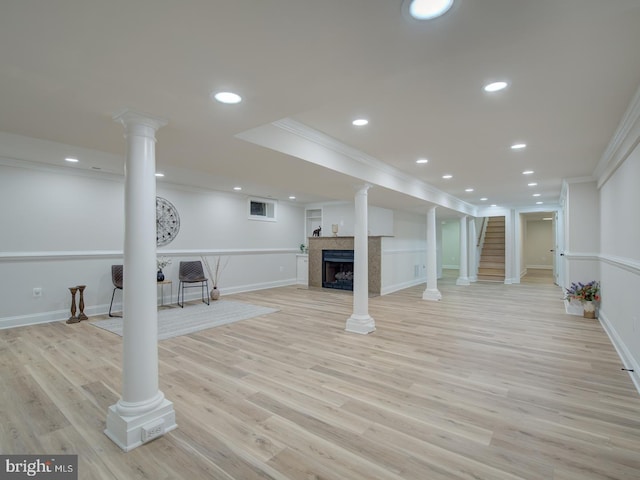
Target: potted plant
{"type": "Point", "coordinates": [588, 294]}
{"type": "Point", "coordinates": [161, 262]}
{"type": "Point", "coordinates": [214, 274]}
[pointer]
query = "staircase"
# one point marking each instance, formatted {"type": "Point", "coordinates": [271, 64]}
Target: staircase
{"type": "Point", "coordinates": [491, 267]}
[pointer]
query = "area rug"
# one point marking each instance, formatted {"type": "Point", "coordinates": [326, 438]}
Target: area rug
{"type": "Point", "coordinates": [173, 322]}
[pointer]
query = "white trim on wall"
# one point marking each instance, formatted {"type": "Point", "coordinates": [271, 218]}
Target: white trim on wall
{"type": "Point", "coordinates": [625, 355]}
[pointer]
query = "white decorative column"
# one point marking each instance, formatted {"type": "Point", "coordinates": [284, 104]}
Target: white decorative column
{"type": "Point", "coordinates": [463, 273]}
{"type": "Point", "coordinates": [142, 413]}
{"type": "Point", "coordinates": [432, 292]}
{"type": "Point", "coordinates": [473, 250]}
{"type": "Point", "coordinates": [360, 321]}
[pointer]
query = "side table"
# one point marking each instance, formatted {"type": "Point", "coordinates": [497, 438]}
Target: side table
{"type": "Point", "coordinates": [161, 285]}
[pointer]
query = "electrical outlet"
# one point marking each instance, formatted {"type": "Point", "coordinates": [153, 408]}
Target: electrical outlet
{"type": "Point", "coordinates": [152, 430]}
{"type": "Point", "coordinates": [37, 292]}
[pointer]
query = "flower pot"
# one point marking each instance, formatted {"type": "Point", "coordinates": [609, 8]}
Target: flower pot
{"type": "Point", "coordinates": [215, 293]}
{"type": "Point", "coordinates": [589, 310]}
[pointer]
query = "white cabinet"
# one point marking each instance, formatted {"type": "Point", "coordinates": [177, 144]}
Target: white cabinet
{"type": "Point", "coordinates": [302, 269]}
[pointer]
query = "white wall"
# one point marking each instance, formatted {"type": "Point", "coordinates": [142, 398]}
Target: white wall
{"type": "Point", "coordinates": [65, 228]}
{"type": "Point", "coordinates": [450, 244]}
{"type": "Point", "coordinates": [539, 241]}
{"type": "Point", "coordinates": [619, 238]}
{"type": "Point", "coordinates": [404, 255]}
{"type": "Point", "coordinates": [582, 238]}
{"type": "Point", "coordinates": [379, 221]}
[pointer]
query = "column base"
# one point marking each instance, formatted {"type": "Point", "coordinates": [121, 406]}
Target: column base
{"type": "Point", "coordinates": [473, 278]}
{"type": "Point", "coordinates": [361, 324]}
{"type": "Point", "coordinates": [432, 294]}
{"type": "Point", "coordinates": [462, 281]}
{"type": "Point", "coordinates": [131, 431]}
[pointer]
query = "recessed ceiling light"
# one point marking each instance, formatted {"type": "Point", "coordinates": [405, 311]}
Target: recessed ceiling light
{"type": "Point", "coordinates": [237, 189]}
{"type": "Point", "coordinates": [159, 174]}
{"type": "Point", "coordinates": [227, 97]}
{"type": "Point", "coordinates": [292, 197]}
{"type": "Point", "coordinates": [527, 172]}
{"type": "Point", "coordinates": [422, 160]}
{"type": "Point", "coordinates": [360, 122]}
{"type": "Point", "coordinates": [428, 9]}
{"type": "Point", "coordinates": [518, 146]}
{"type": "Point", "coordinates": [468, 189]}
{"type": "Point", "coordinates": [536, 194]}
{"type": "Point", "coordinates": [532, 184]}
{"type": "Point", "coordinates": [539, 203]}
{"type": "Point", "coordinates": [484, 199]}
{"type": "Point", "coordinates": [71, 160]}
{"type": "Point", "coordinates": [495, 86]}
{"type": "Point", "coordinates": [447, 177]}
{"type": "Point", "coordinates": [494, 205]}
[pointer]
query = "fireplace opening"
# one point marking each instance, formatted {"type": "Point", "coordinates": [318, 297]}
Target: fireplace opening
{"type": "Point", "coordinates": [337, 269]}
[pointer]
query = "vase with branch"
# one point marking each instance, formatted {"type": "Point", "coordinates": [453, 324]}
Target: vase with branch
{"type": "Point", "coordinates": [215, 270]}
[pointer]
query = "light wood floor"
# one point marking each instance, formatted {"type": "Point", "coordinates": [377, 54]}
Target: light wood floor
{"type": "Point", "coordinates": [493, 382]}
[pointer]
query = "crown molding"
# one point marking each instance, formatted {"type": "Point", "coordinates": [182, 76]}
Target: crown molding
{"type": "Point", "coordinates": [624, 141]}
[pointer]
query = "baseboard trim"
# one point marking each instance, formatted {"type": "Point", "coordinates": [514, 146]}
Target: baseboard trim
{"type": "Point", "coordinates": [63, 315]}
{"type": "Point", "coordinates": [628, 362]}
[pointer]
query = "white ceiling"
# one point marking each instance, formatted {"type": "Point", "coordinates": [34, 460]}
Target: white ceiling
{"type": "Point", "coordinates": [68, 66]}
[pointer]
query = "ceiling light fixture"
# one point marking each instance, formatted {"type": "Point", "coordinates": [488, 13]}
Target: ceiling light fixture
{"type": "Point", "coordinates": [360, 122]}
{"type": "Point", "coordinates": [237, 189]}
{"type": "Point", "coordinates": [468, 189]}
{"type": "Point", "coordinates": [527, 172]}
{"type": "Point", "coordinates": [484, 199]}
{"type": "Point", "coordinates": [292, 197]}
{"type": "Point", "coordinates": [227, 97]}
{"type": "Point", "coordinates": [536, 194]}
{"type": "Point", "coordinates": [428, 9]}
{"type": "Point", "coordinates": [518, 146]}
{"type": "Point", "coordinates": [71, 160]}
{"type": "Point", "coordinates": [532, 184]}
{"type": "Point", "coordinates": [539, 203]}
{"type": "Point", "coordinates": [422, 160]}
{"type": "Point", "coordinates": [447, 177]}
{"type": "Point", "coordinates": [494, 205]}
{"type": "Point", "coordinates": [495, 87]}
{"type": "Point", "coordinates": [159, 174]}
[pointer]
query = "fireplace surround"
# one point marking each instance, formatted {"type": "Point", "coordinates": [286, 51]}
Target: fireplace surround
{"type": "Point", "coordinates": [318, 244]}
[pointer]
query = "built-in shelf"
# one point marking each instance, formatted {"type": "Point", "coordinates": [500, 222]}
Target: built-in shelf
{"type": "Point", "coordinates": [313, 220]}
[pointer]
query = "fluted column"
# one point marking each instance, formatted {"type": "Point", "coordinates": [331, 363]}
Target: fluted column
{"type": "Point", "coordinates": [142, 413]}
{"type": "Point", "coordinates": [463, 273]}
{"type": "Point", "coordinates": [360, 321]}
{"type": "Point", "coordinates": [432, 292]}
{"type": "Point", "coordinates": [473, 249]}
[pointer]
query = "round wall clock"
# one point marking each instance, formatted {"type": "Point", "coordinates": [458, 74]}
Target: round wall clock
{"type": "Point", "coordinates": [167, 222]}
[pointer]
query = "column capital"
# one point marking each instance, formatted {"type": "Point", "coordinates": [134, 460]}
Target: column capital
{"type": "Point", "coordinates": [362, 188]}
{"type": "Point", "coordinates": [129, 118]}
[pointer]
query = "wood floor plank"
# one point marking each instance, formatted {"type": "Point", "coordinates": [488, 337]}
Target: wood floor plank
{"type": "Point", "coordinates": [493, 382]}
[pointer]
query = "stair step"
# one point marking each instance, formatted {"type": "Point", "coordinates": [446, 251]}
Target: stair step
{"type": "Point", "coordinates": [484, 265]}
{"type": "Point", "coordinates": [491, 278]}
{"type": "Point", "coordinates": [491, 271]}
{"type": "Point", "coordinates": [492, 255]}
